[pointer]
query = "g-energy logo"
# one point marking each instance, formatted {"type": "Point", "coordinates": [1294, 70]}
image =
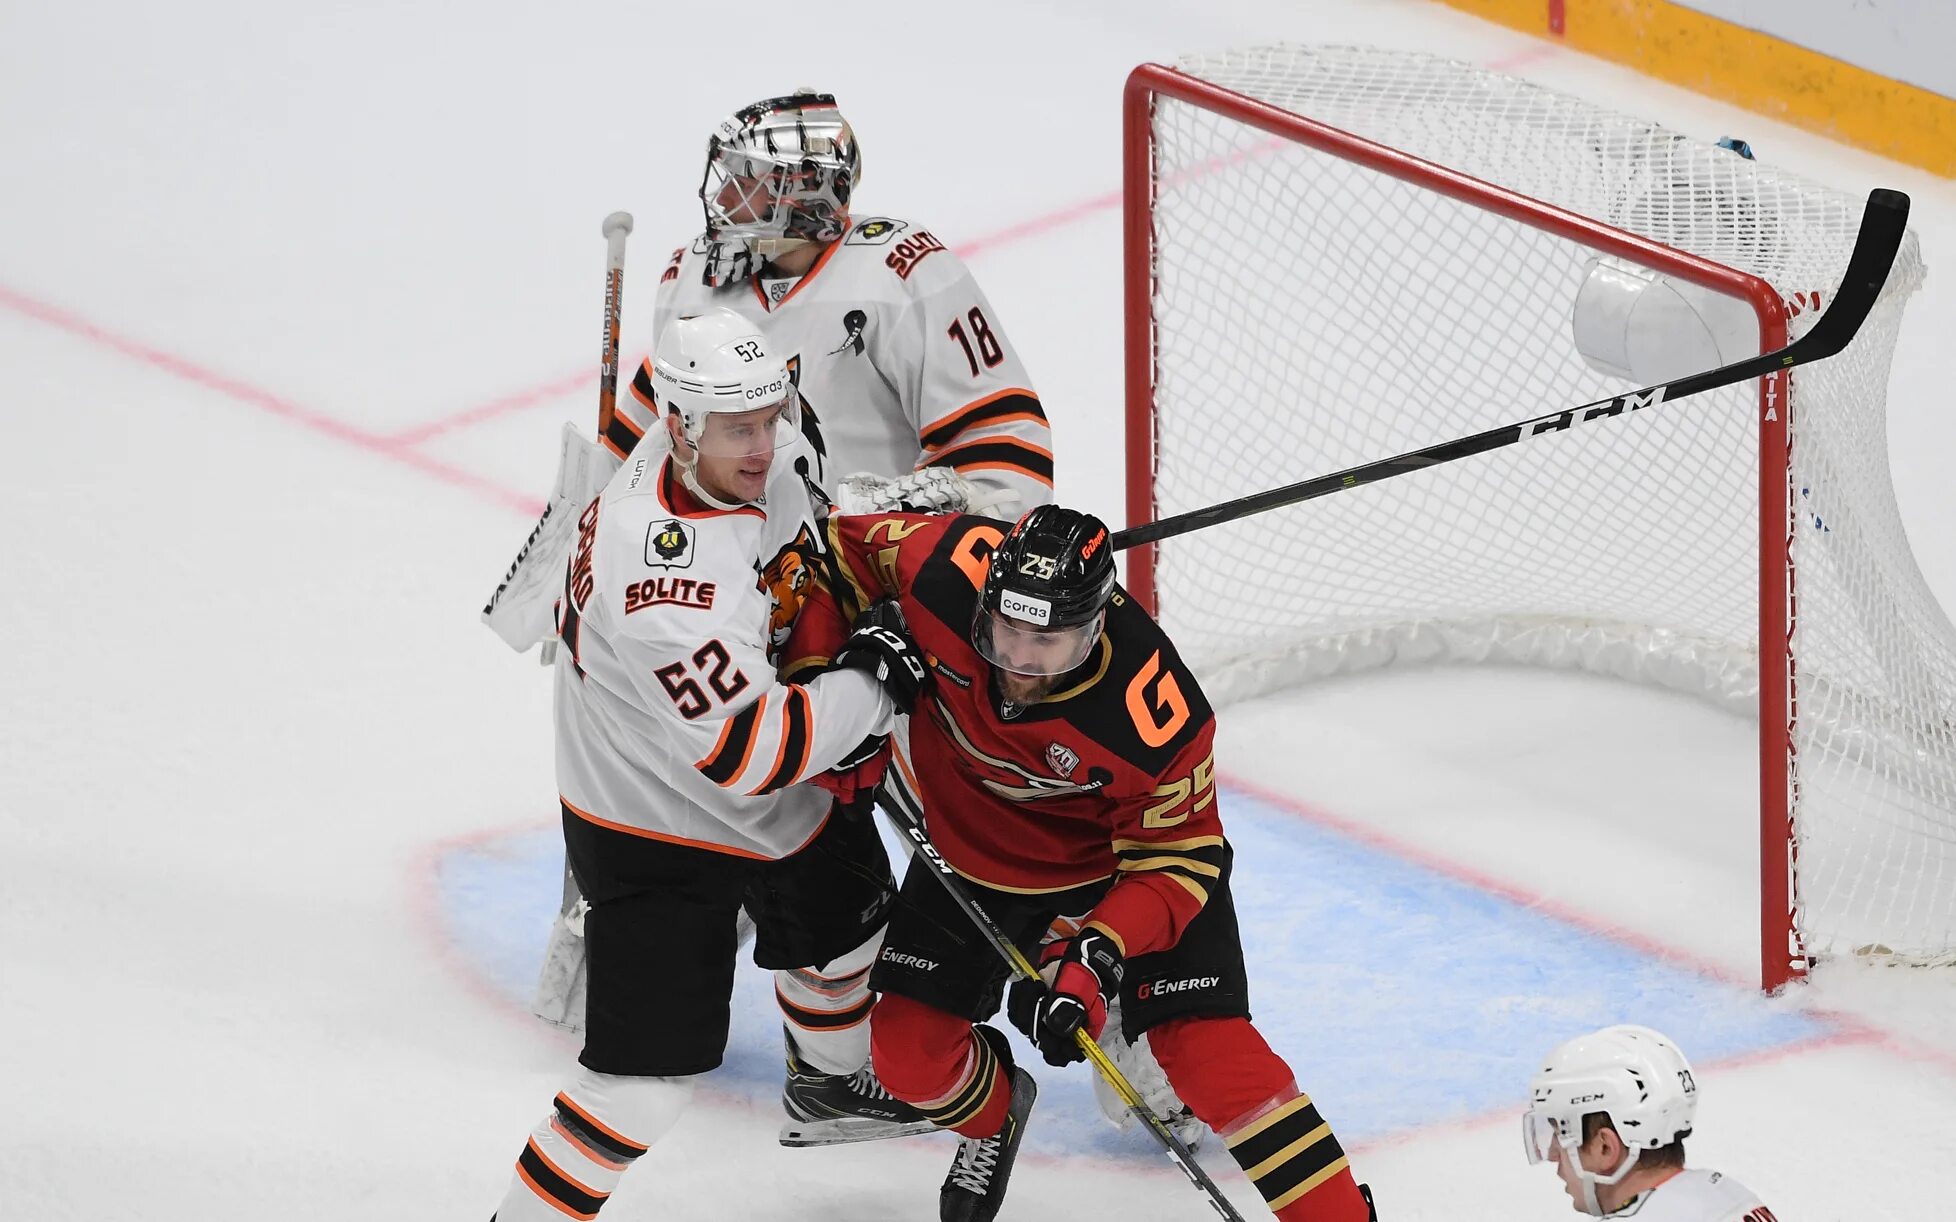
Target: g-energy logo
{"type": "Point", "coordinates": [902, 960]}
{"type": "Point", "coordinates": [1155, 988]}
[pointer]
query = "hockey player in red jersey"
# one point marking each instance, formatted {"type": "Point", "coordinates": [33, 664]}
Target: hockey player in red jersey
{"type": "Point", "coordinates": [1062, 761]}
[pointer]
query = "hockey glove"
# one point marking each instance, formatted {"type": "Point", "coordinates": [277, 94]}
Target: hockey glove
{"type": "Point", "coordinates": [1081, 973]}
{"type": "Point", "coordinates": [925, 490]}
{"type": "Point", "coordinates": [879, 645]}
{"type": "Point", "coordinates": [853, 780]}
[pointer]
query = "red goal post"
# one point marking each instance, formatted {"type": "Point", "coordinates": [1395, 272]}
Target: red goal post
{"type": "Point", "coordinates": [1200, 139]}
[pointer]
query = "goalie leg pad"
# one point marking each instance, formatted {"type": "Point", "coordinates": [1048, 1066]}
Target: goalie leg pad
{"type": "Point", "coordinates": [1138, 1065]}
{"type": "Point", "coordinates": [561, 984]}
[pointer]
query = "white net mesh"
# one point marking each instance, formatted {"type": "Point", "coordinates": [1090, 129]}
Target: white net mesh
{"type": "Point", "coordinates": [1313, 314]}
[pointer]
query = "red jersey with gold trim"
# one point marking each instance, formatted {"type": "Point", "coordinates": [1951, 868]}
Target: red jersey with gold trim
{"type": "Point", "coordinates": [1111, 775]}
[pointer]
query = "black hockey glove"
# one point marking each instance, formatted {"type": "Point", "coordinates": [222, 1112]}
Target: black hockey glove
{"type": "Point", "coordinates": [1080, 974]}
{"type": "Point", "coordinates": [879, 645]}
{"type": "Point", "coordinates": [854, 778]}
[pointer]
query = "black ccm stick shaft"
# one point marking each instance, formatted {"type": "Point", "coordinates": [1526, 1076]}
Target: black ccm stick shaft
{"type": "Point", "coordinates": [1882, 225]}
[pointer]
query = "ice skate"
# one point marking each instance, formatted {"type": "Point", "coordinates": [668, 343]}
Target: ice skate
{"type": "Point", "coordinates": [975, 1188]}
{"type": "Point", "coordinates": [832, 1109]}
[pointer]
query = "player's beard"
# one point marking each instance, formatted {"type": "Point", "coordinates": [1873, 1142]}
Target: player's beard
{"type": "Point", "coordinates": [1017, 691]}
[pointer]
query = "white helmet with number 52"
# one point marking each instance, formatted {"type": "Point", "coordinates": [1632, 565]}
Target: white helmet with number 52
{"type": "Point", "coordinates": [716, 362]}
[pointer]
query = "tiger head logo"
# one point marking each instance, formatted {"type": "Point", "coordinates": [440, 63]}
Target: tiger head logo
{"type": "Point", "coordinates": [786, 581]}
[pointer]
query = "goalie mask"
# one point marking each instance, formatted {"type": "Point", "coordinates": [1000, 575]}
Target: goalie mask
{"type": "Point", "coordinates": [1045, 595]}
{"type": "Point", "coordinates": [733, 398]}
{"type": "Point", "coordinates": [1634, 1075]}
{"type": "Point", "coordinates": [779, 174]}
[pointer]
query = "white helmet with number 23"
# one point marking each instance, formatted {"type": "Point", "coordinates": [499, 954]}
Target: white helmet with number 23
{"type": "Point", "coordinates": [1634, 1075]}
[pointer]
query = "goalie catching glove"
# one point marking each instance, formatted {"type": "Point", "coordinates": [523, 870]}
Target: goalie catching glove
{"type": "Point", "coordinates": [1081, 973]}
{"type": "Point", "coordinates": [925, 490]}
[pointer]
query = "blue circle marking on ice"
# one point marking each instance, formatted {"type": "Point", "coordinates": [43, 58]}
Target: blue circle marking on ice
{"type": "Point", "coordinates": [1401, 997]}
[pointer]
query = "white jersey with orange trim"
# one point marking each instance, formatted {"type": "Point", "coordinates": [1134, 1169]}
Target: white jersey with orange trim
{"type": "Point", "coordinates": [671, 723]}
{"type": "Point", "coordinates": [897, 354]}
{"type": "Point", "coordinates": [1696, 1196]}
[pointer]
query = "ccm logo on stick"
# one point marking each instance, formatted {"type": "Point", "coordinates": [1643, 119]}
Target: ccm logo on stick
{"type": "Point", "coordinates": [1631, 402]}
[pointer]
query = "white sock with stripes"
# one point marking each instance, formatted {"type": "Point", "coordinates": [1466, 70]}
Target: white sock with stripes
{"type": "Point", "coordinates": [827, 1008]}
{"type": "Point", "coordinates": [598, 1126]}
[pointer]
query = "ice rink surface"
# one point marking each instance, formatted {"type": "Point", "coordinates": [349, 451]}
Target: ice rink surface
{"type": "Point", "coordinates": [292, 305]}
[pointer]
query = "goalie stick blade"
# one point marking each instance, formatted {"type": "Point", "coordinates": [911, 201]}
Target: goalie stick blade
{"type": "Point", "coordinates": [1884, 222]}
{"type": "Point", "coordinates": [843, 1132]}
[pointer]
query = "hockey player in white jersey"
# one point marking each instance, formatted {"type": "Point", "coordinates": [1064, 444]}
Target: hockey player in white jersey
{"type": "Point", "coordinates": [1611, 1110]}
{"type": "Point", "coordinates": [679, 757]}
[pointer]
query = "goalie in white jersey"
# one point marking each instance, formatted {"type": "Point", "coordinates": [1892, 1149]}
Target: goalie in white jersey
{"type": "Point", "coordinates": [1611, 1110]}
{"type": "Point", "coordinates": [899, 358]}
{"type": "Point", "coordinates": [679, 757]}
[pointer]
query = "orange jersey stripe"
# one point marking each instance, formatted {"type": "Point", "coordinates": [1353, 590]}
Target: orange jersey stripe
{"type": "Point", "coordinates": [737, 735]}
{"type": "Point", "coordinates": [952, 423]}
{"type": "Point", "coordinates": [667, 837]}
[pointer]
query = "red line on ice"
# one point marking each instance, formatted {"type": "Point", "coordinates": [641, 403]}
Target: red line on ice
{"type": "Point", "coordinates": [240, 391]}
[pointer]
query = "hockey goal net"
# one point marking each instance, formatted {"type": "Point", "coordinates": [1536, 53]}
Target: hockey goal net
{"type": "Point", "coordinates": [1339, 254]}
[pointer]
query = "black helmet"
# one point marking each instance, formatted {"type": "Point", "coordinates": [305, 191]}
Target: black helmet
{"type": "Point", "coordinates": [1050, 579]}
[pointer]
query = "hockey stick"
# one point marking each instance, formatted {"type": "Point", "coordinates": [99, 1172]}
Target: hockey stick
{"type": "Point", "coordinates": [1882, 224]}
{"type": "Point", "coordinates": [616, 228]}
{"type": "Point", "coordinates": [570, 461]}
{"type": "Point", "coordinates": [911, 824]}
{"type": "Point", "coordinates": [557, 1000]}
